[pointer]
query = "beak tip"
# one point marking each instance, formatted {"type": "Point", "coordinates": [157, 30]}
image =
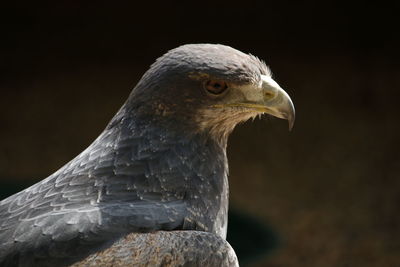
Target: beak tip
{"type": "Point", "coordinates": [291, 124]}
{"type": "Point", "coordinates": [291, 119]}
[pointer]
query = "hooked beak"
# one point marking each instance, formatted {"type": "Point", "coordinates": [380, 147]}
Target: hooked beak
{"type": "Point", "coordinates": [276, 101]}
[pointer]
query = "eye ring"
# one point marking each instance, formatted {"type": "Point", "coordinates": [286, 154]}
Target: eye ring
{"type": "Point", "coordinates": [215, 87]}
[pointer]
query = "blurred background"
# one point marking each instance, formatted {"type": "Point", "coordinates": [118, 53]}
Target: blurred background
{"type": "Point", "coordinates": [325, 194]}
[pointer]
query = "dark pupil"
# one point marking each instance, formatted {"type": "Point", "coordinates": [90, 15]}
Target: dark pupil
{"type": "Point", "coordinates": [215, 87]}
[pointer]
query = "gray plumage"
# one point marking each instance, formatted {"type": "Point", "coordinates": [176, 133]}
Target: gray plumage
{"type": "Point", "coordinates": [160, 164]}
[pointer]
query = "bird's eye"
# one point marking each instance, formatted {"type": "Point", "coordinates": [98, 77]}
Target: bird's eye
{"type": "Point", "coordinates": [215, 87]}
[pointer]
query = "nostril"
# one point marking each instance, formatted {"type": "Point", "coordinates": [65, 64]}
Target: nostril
{"type": "Point", "coordinates": [269, 94]}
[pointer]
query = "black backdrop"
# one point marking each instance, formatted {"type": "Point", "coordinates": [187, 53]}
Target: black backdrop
{"type": "Point", "coordinates": [329, 189]}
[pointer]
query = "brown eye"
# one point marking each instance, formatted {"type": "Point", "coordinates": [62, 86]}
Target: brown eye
{"type": "Point", "coordinates": [215, 87]}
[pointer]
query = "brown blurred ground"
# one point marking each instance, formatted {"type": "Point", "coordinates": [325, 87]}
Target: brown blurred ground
{"type": "Point", "coordinates": [330, 187]}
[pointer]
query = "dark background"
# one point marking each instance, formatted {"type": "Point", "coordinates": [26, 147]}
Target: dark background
{"type": "Point", "coordinates": [329, 189]}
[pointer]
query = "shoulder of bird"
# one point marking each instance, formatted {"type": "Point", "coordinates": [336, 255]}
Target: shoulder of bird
{"type": "Point", "coordinates": [164, 248]}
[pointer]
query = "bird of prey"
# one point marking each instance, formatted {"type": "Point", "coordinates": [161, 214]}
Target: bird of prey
{"type": "Point", "coordinates": [152, 189]}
